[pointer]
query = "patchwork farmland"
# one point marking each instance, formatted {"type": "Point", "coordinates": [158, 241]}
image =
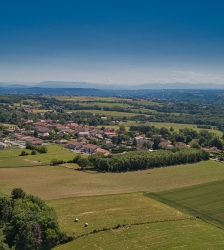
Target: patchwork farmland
{"type": "Point", "coordinates": [176, 207]}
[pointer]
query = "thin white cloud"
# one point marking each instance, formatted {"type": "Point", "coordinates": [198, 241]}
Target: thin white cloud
{"type": "Point", "coordinates": [192, 73]}
{"type": "Point", "coordinates": [216, 79]}
{"type": "Point", "coordinates": [107, 80]}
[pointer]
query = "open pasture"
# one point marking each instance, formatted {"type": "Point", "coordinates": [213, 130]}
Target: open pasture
{"type": "Point", "coordinates": [89, 98]}
{"type": "Point", "coordinates": [107, 211]}
{"type": "Point", "coordinates": [115, 127]}
{"type": "Point", "coordinates": [105, 104]}
{"type": "Point", "coordinates": [114, 114]}
{"type": "Point", "coordinates": [205, 201]}
{"type": "Point", "coordinates": [103, 98]}
{"type": "Point", "coordinates": [54, 182]}
{"type": "Point", "coordinates": [54, 152]}
{"type": "Point", "coordinates": [18, 161]}
{"type": "Point", "coordinates": [178, 126]}
{"type": "Point", "coordinates": [168, 125]}
{"type": "Point", "coordinates": [10, 152]}
{"type": "Point", "coordinates": [183, 234]}
{"type": "Point", "coordinates": [10, 157]}
{"type": "Point", "coordinates": [146, 102]}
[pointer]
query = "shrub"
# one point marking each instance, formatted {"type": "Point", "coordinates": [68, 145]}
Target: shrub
{"type": "Point", "coordinates": [55, 161]}
{"type": "Point", "coordinates": [83, 162]}
{"type": "Point", "coordinates": [17, 193]}
{"type": "Point", "coordinates": [42, 149]}
{"type": "Point", "coordinates": [23, 153]}
{"type": "Point", "coordinates": [33, 152]}
{"type": "Point", "coordinates": [76, 158]}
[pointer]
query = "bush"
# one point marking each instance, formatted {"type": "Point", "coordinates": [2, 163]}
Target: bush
{"type": "Point", "coordinates": [42, 149]}
{"type": "Point", "coordinates": [18, 193]}
{"type": "Point", "coordinates": [195, 144]}
{"type": "Point", "coordinates": [77, 157]}
{"type": "Point", "coordinates": [33, 152]}
{"type": "Point", "coordinates": [23, 153]}
{"type": "Point", "coordinates": [55, 161]}
{"type": "Point", "coordinates": [83, 162]}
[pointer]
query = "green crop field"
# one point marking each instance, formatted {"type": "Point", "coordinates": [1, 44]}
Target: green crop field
{"type": "Point", "coordinates": [54, 182]}
{"type": "Point", "coordinates": [186, 234]}
{"type": "Point", "coordinates": [205, 201]}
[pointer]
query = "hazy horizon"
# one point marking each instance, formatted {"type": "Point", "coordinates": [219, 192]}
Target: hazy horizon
{"type": "Point", "coordinates": [112, 42]}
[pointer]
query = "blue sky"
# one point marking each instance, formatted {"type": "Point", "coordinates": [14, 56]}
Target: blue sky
{"type": "Point", "coordinates": [112, 41]}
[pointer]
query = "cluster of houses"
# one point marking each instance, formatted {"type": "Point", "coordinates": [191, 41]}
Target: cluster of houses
{"type": "Point", "coordinates": [82, 133]}
{"type": "Point", "coordinates": [80, 137]}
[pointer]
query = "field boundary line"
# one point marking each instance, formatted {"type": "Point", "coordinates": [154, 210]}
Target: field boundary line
{"type": "Point", "coordinates": [119, 226]}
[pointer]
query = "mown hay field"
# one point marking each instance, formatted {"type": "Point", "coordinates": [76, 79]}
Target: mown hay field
{"type": "Point", "coordinates": [184, 234]}
{"type": "Point", "coordinates": [205, 201]}
{"type": "Point", "coordinates": [107, 211]}
{"type": "Point", "coordinates": [54, 182]}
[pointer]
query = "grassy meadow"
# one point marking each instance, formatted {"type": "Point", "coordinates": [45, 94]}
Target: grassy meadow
{"type": "Point", "coordinates": [9, 157]}
{"type": "Point", "coordinates": [18, 161]}
{"type": "Point", "coordinates": [106, 200]}
{"type": "Point", "coordinates": [114, 114]}
{"type": "Point", "coordinates": [107, 211]}
{"type": "Point", "coordinates": [89, 98]}
{"type": "Point", "coordinates": [184, 234]}
{"type": "Point", "coordinates": [154, 208]}
{"type": "Point", "coordinates": [55, 182]}
{"type": "Point", "coordinates": [178, 126]}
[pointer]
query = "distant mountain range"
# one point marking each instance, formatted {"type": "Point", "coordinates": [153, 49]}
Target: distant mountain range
{"type": "Point", "coordinates": [103, 86]}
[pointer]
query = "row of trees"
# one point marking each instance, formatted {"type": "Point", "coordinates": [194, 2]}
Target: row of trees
{"type": "Point", "coordinates": [144, 160]}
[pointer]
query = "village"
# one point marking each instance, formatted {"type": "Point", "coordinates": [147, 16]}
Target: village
{"type": "Point", "coordinates": [86, 139]}
{"type": "Point", "coordinates": [82, 139]}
